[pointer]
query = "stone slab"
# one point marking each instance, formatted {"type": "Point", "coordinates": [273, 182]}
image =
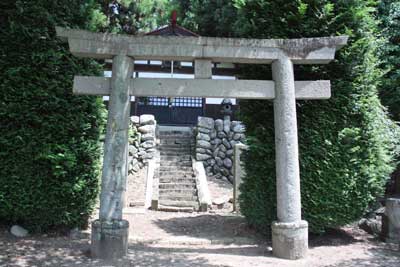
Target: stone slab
{"type": "Point", "coordinates": [202, 69]}
{"type": "Point", "coordinates": [18, 231]}
{"type": "Point", "coordinates": [109, 239]}
{"type": "Point", "coordinates": [241, 89]}
{"type": "Point", "coordinates": [235, 50]}
{"type": "Point", "coordinates": [290, 240]}
{"type": "Point", "coordinates": [392, 212]}
{"type": "Point", "coordinates": [238, 173]}
{"type": "Point", "coordinates": [202, 185]}
{"type": "Point", "coordinates": [149, 182]}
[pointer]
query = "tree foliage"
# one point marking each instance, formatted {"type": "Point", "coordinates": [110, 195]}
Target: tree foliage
{"type": "Point", "coordinates": [130, 16]}
{"type": "Point", "coordinates": [49, 138]}
{"type": "Point", "coordinates": [389, 12]}
{"type": "Point", "coordinates": [208, 17]}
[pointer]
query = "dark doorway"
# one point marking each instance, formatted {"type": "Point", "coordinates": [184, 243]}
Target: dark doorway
{"type": "Point", "coordinates": [171, 111]}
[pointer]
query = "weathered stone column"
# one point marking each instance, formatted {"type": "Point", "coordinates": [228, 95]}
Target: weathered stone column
{"type": "Point", "coordinates": [238, 174]}
{"type": "Point", "coordinates": [289, 233]}
{"type": "Point", "coordinates": [110, 232]}
{"type": "Point", "coordinates": [393, 220]}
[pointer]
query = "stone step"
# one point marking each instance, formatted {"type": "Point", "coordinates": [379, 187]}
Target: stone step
{"type": "Point", "coordinates": [177, 180]}
{"type": "Point", "coordinates": [179, 186]}
{"type": "Point", "coordinates": [178, 192]}
{"type": "Point", "coordinates": [176, 164]}
{"type": "Point", "coordinates": [175, 209]}
{"type": "Point", "coordinates": [175, 173]}
{"type": "Point", "coordinates": [174, 155]}
{"type": "Point", "coordinates": [175, 133]}
{"type": "Point", "coordinates": [185, 175]}
{"type": "Point", "coordinates": [180, 158]}
{"type": "Point", "coordinates": [178, 197]}
{"type": "Point", "coordinates": [175, 136]}
{"type": "Point", "coordinates": [174, 203]}
{"type": "Point", "coordinates": [164, 146]}
{"type": "Point", "coordinates": [174, 178]}
{"type": "Point", "coordinates": [135, 203]}
{"type": "Point", "coordinates": [183, 133]}
{"type": "Point", "coordinates": [176, 142]}
{"type": "Point", "coordinates": [166, 152]}
{"type": "Point", "coordinates": [169, 168]}
{"type": "Point", "coordinates": [177, 149]}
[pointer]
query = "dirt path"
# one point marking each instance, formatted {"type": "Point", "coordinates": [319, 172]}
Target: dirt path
{"type": "Point", "coordinates": [181, 240]}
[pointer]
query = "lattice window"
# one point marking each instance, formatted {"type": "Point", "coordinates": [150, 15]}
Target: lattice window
{"type": "Point", "coordinates": [153, 101]}
{"type": "Point", "coordinates": [194, 102]}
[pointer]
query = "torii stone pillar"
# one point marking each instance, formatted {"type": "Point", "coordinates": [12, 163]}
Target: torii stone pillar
{"type": "Point", "coordinates": [110, 232]}
{"type": "Point", "coordinates": [289, 233]}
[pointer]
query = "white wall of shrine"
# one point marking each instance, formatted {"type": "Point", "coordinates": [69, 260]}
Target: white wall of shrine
{"type": "Point", "coordinates": [174, 75]}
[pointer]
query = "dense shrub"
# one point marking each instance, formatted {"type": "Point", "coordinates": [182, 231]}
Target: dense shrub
{"type": "Point", "coordinates": [49, 139]}
{"type": "Point", "coordinates": [346, 143]}
{"type": "Point", "coordinates": [389, 12]}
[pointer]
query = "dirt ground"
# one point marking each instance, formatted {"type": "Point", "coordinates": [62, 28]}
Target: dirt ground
{"type": "Point", "coordinates": [160, 239]}
{"type": "Point", "coordinates": [218, 238]}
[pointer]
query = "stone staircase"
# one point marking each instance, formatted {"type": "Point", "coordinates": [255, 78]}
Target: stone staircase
{"type": "Point", "coordinates": [177, 182]}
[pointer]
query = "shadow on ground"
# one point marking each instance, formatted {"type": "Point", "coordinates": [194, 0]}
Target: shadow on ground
{"type": "Point", "coordinates": [333, 237]}
{"type": "Point", "coordinates": [245, 250]}
{"type": "Point", "coordinates": [39, 251]}
{"type": "Point", "coordinates": [63, 252]}
{"type": "Point", "coordinates": [211, 227]}
{"type": "Point", "coordinates": [379, 257]}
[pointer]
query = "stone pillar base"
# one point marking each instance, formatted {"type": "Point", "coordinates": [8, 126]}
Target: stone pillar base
{"type": "Point", "coordinates": [109, 239]}
{"type": "Point", "coordinates": [393, 220]}
{"type": "Point", "coordinates": [290, 240]}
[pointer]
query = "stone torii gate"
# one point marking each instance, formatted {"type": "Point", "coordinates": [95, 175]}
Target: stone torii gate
{"type": "Point", "coordinates": [289, 232]}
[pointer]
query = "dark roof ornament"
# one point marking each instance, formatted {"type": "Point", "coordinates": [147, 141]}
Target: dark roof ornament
{"type": "Point", "coordinates": [174, 15]}
{"type": "Point", "coordinates": [173, 29]}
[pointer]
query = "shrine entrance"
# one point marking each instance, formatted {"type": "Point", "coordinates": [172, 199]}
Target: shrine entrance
{"type": "Point", "coordinates": [171, 111]}
{"type": "Point", "coordinates": [289, 233]}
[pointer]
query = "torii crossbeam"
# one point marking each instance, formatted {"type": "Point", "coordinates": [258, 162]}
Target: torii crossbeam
{"type": "Point", "coordinates": [290, 232]}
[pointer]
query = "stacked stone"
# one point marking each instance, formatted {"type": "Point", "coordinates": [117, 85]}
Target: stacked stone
{"type": "Point", "coordinates": [215, 141]}
{"type": "Point", "coordinates": [142, 141]}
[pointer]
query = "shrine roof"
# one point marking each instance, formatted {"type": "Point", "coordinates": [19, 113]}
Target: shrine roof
{"type": "Point", "coordinates": [172, 30]}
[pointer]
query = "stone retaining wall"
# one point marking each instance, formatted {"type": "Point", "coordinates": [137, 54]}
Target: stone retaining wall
{"type": "Point", "coordinates": [215, 140]}
{"type": "Point", "coordinates": [142, 141]}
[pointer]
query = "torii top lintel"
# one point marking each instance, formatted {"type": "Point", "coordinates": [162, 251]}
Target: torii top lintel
{"type": "Point", "coordinates": [234, 50]}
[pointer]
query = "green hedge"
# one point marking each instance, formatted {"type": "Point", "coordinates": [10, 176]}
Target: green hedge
{"type": "Point", "coordinates": [49, 138]}
{"type": "Point", "coordinates": [346, 143]}
{"type": "Point", "coordinates": [389, 13]}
